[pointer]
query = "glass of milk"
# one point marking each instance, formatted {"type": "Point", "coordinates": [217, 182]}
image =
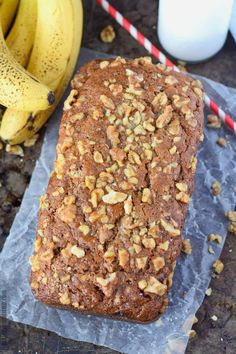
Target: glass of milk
{"type": "Point", "coordinates": [193, 30]}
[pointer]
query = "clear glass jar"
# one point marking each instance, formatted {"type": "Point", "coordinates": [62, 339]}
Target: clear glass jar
{"type": "Point", "coordinates": [193, 30]}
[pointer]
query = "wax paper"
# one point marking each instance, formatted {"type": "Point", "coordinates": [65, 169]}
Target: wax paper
{"type": "Point", "coordinates": [193, 272]}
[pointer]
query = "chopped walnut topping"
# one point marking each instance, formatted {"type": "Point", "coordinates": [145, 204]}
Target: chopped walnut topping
{"type": "Point", "coordinates": [198, 91]}
{"type": "Point", "coordinates": [77, 251]}
{"type": "Point", "coordinates": [142, 284]}
{"type": "Point", "coordinates": [114, 197]}
{"type": "Point", "coordinates": [146, 196]}
{"type": "Point", "coordinates": [182, 197]}
{"type": "Point", "coordinates": [97, 156]}
{"type": "Point", "coordinates": [107, 35]}
{"type": "Point", "coordinates": [222, 142]}
{"type": "Point", "coordinates": [43, 204]}
{"type": "Point", "coordinates": [70, 100]}
{"type": "Point", "coordinates": [137, 248]}
{"type": "Point", "coordinates": [37, 244]}
{"type": "Point", "coordinates": [148, 126]}
{"type": "Point", "coordinates": [67, 213]}
{"type": "Point", "coordinates": [181, 186]}
{"type": "Point", "coordinates": [218, 266]}
{"type": "Point", "coordinates": [84, 229]}
{"type": "Point", "coordinates": [165, 117]}
{"type": "Point", "coordinates": [213, 121]}
{"type": "Point", "coordinates": [128, 205]}
{"type": "Point", "coordinates": [108, 103]}
{"type": "Point", "coordinates": [174, 127]}
{"type": "Point", "coordinates": [133, 157]}
{"type": "Point", "coordinates": [90, 182]}
{"type": "Point", "coordinates": [155, 286]}
{"type": "Point", "coordinates": [158, 263]}
{"type": "Point", "coordinates": [69, 200]}
{"type": "Point", "coordinates": [123, 256]}
{"type": "Point", "coordinates": [173, 150]}
{"type": "Point", "coordinates": [104, 64]}
{"type": "Point", "coordinates": [141, 262]}
{"type": "Point", "coordinates": [231, 215]}
{"type": "Point", "coordinates": [149, 243]}
{"type": "Point", "coordinates": [159, 100]}
{"type": "Point", "coordinates": [64, 298]}
{"type": "Point", "coordinates": [105, 282]}
{"type": "Point", "coordinates": [170, 228]}
{"type": "Point", "coordinates": [171, 80]}
{"type": "Point", "coordinates": [186, 246]}
{"type": "Point", "coordinates": [113, 135]}
{"type": "Point", "coordinates": [193, 164]}
{"type": "Point", "coordinates": [164, 245]}
{"type": "Point", "coordinates": [216, 188]}
{"type": "Point", "coordinates": [215, 238]}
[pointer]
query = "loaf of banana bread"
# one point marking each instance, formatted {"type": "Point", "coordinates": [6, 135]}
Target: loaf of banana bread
{"type": "Point", "coordinates": [109, 227]}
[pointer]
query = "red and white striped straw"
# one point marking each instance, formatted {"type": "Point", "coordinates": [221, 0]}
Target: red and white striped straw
{"type": "Point", "coordinates": [161, 57]}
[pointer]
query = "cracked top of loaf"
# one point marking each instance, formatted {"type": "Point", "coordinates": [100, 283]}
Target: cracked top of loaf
{"type": "Point", "coordinates": [109, 228]}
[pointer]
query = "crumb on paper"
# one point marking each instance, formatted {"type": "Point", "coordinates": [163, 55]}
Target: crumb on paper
{"type": "Point", "coordinates": [186, 246]}
{"type": "Point", "coordinates": [215, 238]}
{"type": "Point", "coordinates": [232, 228]}
{"type": "Point", "coordinates": [222, 142]}
{"type": "Point", "coordinates": [218, 266]}
{"type": "Point", "coordinates": [210, 250]}
{"type": "Point", "coordinates": [15, 150]}
{"type": "Point", "coordinates": [192, 333]}
{"type": "Point", "coordinates": [231, 215]}
{"type": "Point", "coordinates": [195, 320]}
{"type": "Point", "coordinates": [213, 121]}
{"type": "Point", "coordinates": [108, 35]}
{"type": "Point", "coordinates": [31, 141]}
{"type": "Point", "coordinates": [208, 292]}
{"type": "Point", "coordinates": [214, 318]}
{"type": "Point", "coordinates": [216, 188]}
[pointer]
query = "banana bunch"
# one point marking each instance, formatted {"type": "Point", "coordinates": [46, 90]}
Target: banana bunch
{"type": "Point", "coordinates": [45, 38]}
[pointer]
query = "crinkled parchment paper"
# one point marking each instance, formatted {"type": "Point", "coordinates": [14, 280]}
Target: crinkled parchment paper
{"type": "Point", "coordinates": [193, 272]}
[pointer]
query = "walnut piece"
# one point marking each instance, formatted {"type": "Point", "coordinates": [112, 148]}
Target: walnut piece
{"type": "Point", "coordinates": [215, 238]}
{"type": "Point", "coordinates": [222, 142]}
{"type": "Point", "coordinates": [213, 121]}
{"type": "Point", "coordinates": [77, 251]}
{"type": "Point", "coordinates": [186, 246]}
{"type": "Point", "coordinates": [155, 286]}
{"type": "Point", "coordinates": [141, 262]}
{"type": "Point", "coordinates": [170, 228]}
{"type": "Point", "coordinates": [232, 228]}
{"type": "Point", "coordinates": [146, 196]}
{"type": "Point", "coordinates": [183, 197]}
{"type": "Point", "coordinates": [165, 117]}
{"type": "Point", "coordinates": [107, 102]}
{"type": "Point", "coordinates": [123, 256]}
{"type": "Point", "coordinates": [218, 266]}
{"type": "Point", "coordinates": [114, 197]}
{"type": "Point", "coordinates": [181, 186]}
{"type": "Point", "coordinates": [108, 35]}
{"type": "Point", "coordinates": [149, 243]}
{"type": "Point", "coordinates": [158, 263]}
{"type": "Point", "coordinates": [231, 215]}
{"type": "Point", "coordinates": [216, 188]}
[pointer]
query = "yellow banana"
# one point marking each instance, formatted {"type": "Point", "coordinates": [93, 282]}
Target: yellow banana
{"type": "Point", "coordinates": [20, 89]}
{"type": "Point", "coordinates": [21, 36]}
{"type": "Point", "coordinates": [7, 12]}
{"type": "Point", "coordinates": [18, 126]}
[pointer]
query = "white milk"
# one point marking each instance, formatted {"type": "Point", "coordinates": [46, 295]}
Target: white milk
{"type": "Point", "coordinates": [193, 30]}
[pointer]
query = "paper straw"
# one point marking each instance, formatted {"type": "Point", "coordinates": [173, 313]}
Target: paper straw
{"type": "Point", "coordinates": [153, 50]}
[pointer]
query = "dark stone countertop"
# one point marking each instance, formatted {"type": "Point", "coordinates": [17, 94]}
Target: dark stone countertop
{"type": "Point", "coordinates": [212, 337]}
